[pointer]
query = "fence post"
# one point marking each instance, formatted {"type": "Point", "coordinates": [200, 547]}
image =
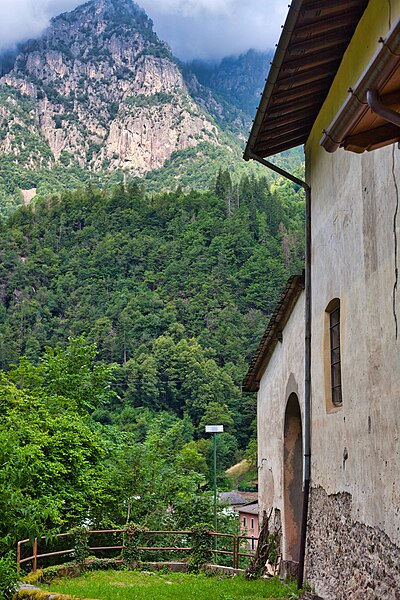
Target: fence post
{"type": "Point", "coordinates": [18, 557]}
{"type": "Point", "coordinates": [35, 555]}
{"type": "Point", "coordinates": [236, 552]}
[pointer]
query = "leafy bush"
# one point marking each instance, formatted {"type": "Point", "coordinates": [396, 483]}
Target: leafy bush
{"type": "Point", "coordinates": [132, 538]}
{"type": "Point", "coordinates": [81, 544]}
{"type": "Point", "coordinates": [201, 544]}
{"type": "Point", "coordinates": [8, 577]}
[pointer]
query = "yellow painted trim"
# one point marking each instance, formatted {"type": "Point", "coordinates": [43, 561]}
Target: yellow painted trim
{"type": "Point", "coordinates": [376, 21]}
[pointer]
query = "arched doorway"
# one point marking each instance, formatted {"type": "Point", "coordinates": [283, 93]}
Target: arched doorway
{"type": "Point", "coordinates": [292, 480]}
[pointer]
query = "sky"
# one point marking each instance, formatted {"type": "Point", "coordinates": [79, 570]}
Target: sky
{"type": "Point", "coordinates": [206, 29]}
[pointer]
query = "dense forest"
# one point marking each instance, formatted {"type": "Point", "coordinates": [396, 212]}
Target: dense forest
{"type": "Point", "coordinates": [127, 323]}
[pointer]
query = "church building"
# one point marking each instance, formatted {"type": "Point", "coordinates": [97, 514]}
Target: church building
{"type": "Point", "coordinates": [327, 370]}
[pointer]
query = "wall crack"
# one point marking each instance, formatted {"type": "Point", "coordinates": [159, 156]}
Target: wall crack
{"type": "Point", "coordinates": [396, 267]}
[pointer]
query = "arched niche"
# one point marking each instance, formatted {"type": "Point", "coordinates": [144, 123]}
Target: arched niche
{"type": "Point", "coordinates": [292, 480]}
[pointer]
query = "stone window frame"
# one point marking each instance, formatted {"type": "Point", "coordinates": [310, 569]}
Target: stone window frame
{"type": "Point", "coordinates": [252, 523]}
{"type": "Point", "coordinates": [333, 356]}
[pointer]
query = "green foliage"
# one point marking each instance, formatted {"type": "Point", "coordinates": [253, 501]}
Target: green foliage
{"type": "Point", "coordinates": [172, 293]}
{"type": "Point", "coordinates": [201, 548]}
{"type": "Point", "coordinates": [132, 541]}
{"type": "Point", "coordinates": [81, 544]}
{"type": "Point", "coordinates": [69, 372]}
{"type": "Point", "coordinates": [8, 577]}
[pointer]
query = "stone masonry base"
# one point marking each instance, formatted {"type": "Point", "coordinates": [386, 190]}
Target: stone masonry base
{"type": "Point", "coordinates": [347, 560]}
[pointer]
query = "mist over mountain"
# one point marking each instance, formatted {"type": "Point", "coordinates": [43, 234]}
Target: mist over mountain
{"type": "Point", "coordinates": [238, 79]}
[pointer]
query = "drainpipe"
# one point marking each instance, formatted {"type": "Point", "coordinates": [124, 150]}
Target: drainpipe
{"type": "Point", "coordinates": [375, 104]}
{"type": "Point", "coordinates": [307, 355]}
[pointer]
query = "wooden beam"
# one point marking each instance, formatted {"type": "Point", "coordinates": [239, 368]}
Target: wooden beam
{"type": "Point", "coordinates": [315, 59]}
{"type": "Point", "coordinates": [324, 41]}
{"type": "Point", "coordinates": [295, 127]}
{"type": "Point", "coordinates": [315, 28]}
{"type": "Point", "coordinates": [372, 138]}
{"type": "Point", "coordinates": [269, 150]}
{"type": "Point", "coordinates": [314, 74]}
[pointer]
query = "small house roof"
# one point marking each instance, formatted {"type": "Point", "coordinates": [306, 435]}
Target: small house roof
{"type": "Point", "coordinates": [233, 498]}
{"type": "Point", "coordinates": [314, 39]}
{"type": "Point", "coordinates": [273, 333]}
{"type": "Point", "coordinates": [251, 508]}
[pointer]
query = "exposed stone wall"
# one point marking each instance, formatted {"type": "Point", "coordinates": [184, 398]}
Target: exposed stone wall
{"type": "Point", "coordinates": [347, 560]}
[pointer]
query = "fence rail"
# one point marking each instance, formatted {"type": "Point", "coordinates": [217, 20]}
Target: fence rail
{"type": "Point", "coordinates": [35, 556]}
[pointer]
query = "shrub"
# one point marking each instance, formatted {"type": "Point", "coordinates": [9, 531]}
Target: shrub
{"type": "Point", "coordinates": [201, 544]}
{"type": "Point", "coordinates": [132, 537]}
{"type": "Point", "coordinates": [81, 544]}
{"type": "Point", "coordinates": [8, 577]}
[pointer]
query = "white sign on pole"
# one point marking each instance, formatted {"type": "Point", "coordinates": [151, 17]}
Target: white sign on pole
{"type": "Point", "coordinates": [214, 428]}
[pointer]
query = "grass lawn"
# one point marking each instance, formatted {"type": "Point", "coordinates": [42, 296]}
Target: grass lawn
{"type": "Point", "coordinates": [133, 585]}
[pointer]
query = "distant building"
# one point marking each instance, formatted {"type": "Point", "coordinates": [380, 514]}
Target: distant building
{"type": "Point", "coordinates": [327, 370]}
{"type": "Point", "coordinates": [248, 522]}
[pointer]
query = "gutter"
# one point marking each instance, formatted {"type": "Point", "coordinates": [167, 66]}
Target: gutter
{"type": "Point", "coordinates": [276, 64]}
{"type": "Point", "coordinates": [249, 154]}
{"type": "Point", "coordinates": [375, 75]}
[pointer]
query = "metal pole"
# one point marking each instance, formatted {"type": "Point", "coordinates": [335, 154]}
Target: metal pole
{"type": "Point", "coordinates": [215, 489]}
{"type": "Point", "coordinates": [307, 394]}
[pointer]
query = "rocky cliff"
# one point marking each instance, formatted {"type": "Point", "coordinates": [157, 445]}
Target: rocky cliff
{"type": "Point", "coordinates": [99, 88]}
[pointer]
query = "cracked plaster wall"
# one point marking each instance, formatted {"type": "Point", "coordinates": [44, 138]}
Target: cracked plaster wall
{"type": "Point", "coordinates": [356, 448]}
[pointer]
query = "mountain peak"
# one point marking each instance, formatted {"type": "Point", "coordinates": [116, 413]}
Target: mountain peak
{"type": "Point", "coordinates": [106, 91]}
{"type": "Point", "coordinates": [122, 11]}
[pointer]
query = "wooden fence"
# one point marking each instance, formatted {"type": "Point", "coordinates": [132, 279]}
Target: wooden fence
{"type": "Point", "coordinates": [234, 542]}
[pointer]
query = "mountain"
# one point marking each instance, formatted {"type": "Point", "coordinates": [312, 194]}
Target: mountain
{"type": "Point", "coordinates": [103, 91]}
{"type": "Point", "coordinates": [99, 98]}
{"type": "Point", "coordinates": [238, 80]}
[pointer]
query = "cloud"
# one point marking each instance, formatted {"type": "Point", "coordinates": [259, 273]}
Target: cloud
{"type": "Point", "coordinates": [24, 19]}
{"type": "Point", "coordinates": [212, 29]}
{"type": "Point", "coordinates": [208, 29]}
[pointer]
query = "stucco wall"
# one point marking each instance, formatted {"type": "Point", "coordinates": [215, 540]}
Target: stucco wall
{"type": "Point", "coordinates": [355, 199]}
{"type": "Point", "coordinates": [284, 376]}
{"type": "Point", "coordinates": [356, 236]}
{"type": "Point", "coordinates": [355, 499]}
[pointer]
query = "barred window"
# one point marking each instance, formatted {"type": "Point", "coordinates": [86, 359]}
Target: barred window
{"type": "Point", "coordinates": [334, 333]}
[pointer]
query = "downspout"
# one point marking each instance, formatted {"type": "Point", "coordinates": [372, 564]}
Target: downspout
{"type": "Point", "coordinates": [307, 355]}
{"type": "Point", "coordinates": [375, 104]}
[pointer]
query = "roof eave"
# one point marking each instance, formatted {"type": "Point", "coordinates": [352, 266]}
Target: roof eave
{"type": "Point", "coordinates": [276, 65]}
{"type": "Point", "coordinates": [273, 332]}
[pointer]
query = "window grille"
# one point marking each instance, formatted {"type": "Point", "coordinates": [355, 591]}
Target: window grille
{"type": "Point", "coordinates": [336, 377]}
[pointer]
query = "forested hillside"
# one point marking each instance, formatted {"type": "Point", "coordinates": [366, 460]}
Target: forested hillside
{"type": "Point", "coordinates": [137, 276]}
{"type": "Point", "coordinates": [124, 267]}
{"type": "Point", "coordinates": [171, 293]}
